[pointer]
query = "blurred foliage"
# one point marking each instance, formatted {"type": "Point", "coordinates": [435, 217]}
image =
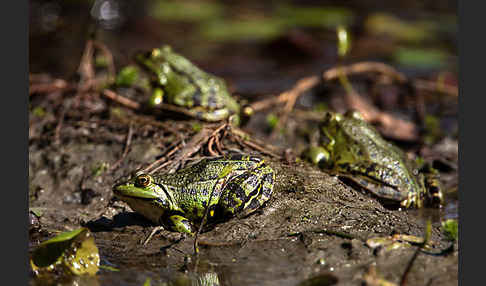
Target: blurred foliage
{"type": "Point", "coordinates": [433, 131]}
{"type": "Point", "coordinates": [421, 58]}
{"type": "Point", "coordinates": [38, 111]}
{"type": "Point", "coordinates": [325, 17]}
{"type": "Point", "coordinates": [186, 11]}
{"type": "Point", "coordinates": [232, 30]}
{"type": "Point", "coordinates": [215, 26]}
{"type": "Point", "coordinates": [272, 120]}
{"type": "Point", "coordinates": [450, 228]}
{"type": "Point", "coordinates": [382, 24]}
{"type": "Point", "coordinates": [127, 76]}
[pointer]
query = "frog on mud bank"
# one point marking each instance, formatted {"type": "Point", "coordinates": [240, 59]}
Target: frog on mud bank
{"type": "Point", "coordinates": [183, 84]}
{"type": "Point", "coordinates": [352, 148]}
{"type": "Point", "coordinates": [221, 187]}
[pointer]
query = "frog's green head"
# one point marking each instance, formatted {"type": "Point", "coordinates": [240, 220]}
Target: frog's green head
{"type": "Point", "coordinates": [155, 61]}
{"type": "Point", "coordinates": [145, 196]}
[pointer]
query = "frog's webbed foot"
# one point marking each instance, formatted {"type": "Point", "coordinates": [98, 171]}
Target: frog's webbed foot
{"type": "Point", "coordinates": [413, 200]}
{"type": "Point", "coordinates": [380, 190]}
{"type": "Point", "coordinates": [434, 187]}
{"type": "Point", "coordinates": [180, 224]}
{"type": "Point", "coordinates": [384, 183]}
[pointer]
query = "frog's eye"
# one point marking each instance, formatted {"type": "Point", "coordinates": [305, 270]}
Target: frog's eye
{"type": "Point", "coordinates": [354, 114]}
{"type": "Point", "coordinates": [143, 180]}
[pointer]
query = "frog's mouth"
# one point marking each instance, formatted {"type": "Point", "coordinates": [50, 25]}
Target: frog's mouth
{"type": "Point", "coordinates": [125, 190]}
{"type": "Point", "coordinates": [140, 202]}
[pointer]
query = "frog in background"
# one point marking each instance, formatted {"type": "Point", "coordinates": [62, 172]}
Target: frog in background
{"type": "Point", "coordinates": [177, 81]}
{"type": "Point", "coordinates": [352, 148]}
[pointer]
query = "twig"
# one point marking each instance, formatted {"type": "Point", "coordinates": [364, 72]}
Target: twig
{"type": "Point", "coordinates": [109, 58]}
{"type": "Point", "coordinates": [436, 86]}
{"type": "Point", "coordinates": [196, 248]}
{"type": "Point", "coordinates": [428, 230]}
{"type": "Point", "coordinates": [299, 88]}
{"type": "Point", "coordinates": [57, 134]}
{"type": "Point", "coordinates": [86, 69]}
{"type": "Point", "coordinates": [362, 67]}
{"type": "Point", "coordinates": [244, 139]}
{"type": "Point", "coordinates": [164, 158]}
{"type": "Point", "coordinates": [189, 149]}
{"type": "Point", "coordinates": [54, 85]}
{"type": "Point", "coordinates": [125, 150]}
{"type": "Point", "coordinates": [121, 99]}
{"type": "Point", "coordinates": [210, 146]}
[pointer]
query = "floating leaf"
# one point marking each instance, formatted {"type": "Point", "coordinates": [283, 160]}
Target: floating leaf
{"type": "Point", "coordinates": [69, 253]}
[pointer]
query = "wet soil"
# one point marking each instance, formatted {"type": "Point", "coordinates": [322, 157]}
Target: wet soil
{"type": "Point", "coordinates": [313, 225]}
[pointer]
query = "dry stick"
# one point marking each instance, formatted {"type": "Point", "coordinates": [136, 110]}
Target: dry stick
{"type": "Point", "coordinates": [85, 66]}
{"type": "Point", "coordinates": [109, 58]}
{"type": "Point", "coordinates": [436, 86]}
{"type": "Point", "coordinates": [219, 147]}
{"type": "Point", "coordinates": [391, 125]}
{"type": "Point", "coordinates": [196, 249]}
{"type": "Point", "coordinates": [164, 158]}
{"type": "Point", "coordinates": [210, 146]}
{"type": "Point", "coordinates": [428, 230]}
{"type": "Point", "coordinates": [191, 147]}
{"type": "Point", "coordinates": [135, 105]}
{"type": "Point", "coordinates": [55, 85]}
{"type": "Point", "coordinates": [57, 134]}
{"type": "Point", "coordinates": [120, 99]}
{"type": "Point", "coordinates": [268, 102]}
{"type": "Point", "coordinates": [125, 150]}
{"type": "Point", "coordinates": [241, 138]}
{"type": "Point", "coordinates": [363, 67]}
{"type": "Point", "coordinates": [299, 88]}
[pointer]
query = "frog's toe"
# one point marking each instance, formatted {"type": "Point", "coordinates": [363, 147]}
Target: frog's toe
{"type": "Point", "coordinates": [180, 224]}
{"type": "Point", "coordinates": [413, 200]}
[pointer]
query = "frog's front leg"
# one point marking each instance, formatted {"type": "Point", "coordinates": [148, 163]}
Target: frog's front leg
{"type": "Point", "coordinates": [179, 223]}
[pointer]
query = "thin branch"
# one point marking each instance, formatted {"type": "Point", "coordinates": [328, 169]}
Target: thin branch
{"type": "Point", "coordinates": [125, 150]}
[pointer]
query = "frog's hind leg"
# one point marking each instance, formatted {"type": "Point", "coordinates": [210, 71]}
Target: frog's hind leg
{"type": "Point", "coordinates": [380, 190]}
{"type": "Point", "coordinates": [210, 116]}
{"type": "Point", "coordinates": [264, 193]}
{"type": "Point", "coordinates": [248, 191]}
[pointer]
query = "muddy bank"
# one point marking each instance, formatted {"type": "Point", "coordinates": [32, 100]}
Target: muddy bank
{"type": "Point", "coordinates": [314, 224]}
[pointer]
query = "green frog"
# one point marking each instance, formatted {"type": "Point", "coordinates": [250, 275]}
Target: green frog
{"type": "Point", "coordinates": [218, 187]}
{"type": "Point", "coordinates": [181, 83]}
{"type": "Point", "coordinates": [353, 149]}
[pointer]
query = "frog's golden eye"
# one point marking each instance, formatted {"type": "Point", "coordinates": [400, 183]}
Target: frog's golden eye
{"type": "Point", "coordinates": [143, 180]}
